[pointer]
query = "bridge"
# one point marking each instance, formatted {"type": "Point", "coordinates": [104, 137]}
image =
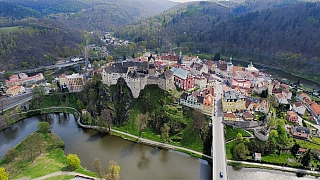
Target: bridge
{"type": "Point", "coordinates": [219, 161]}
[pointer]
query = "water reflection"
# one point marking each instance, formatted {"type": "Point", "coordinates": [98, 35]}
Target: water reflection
{"type": "Point", "coordinates": [127, 150]}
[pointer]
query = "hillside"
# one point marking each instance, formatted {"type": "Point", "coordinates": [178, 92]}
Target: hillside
{"type": "Point", "coordinates": [286, 37]}
{"type": "Point", "coordinates": [35, 33]}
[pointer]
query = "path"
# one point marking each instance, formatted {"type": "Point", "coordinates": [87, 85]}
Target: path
{"type": "Point", "coordinates": [155, 143]}
{"type": "Point", "coordinates": [282, 168]}
{"type": "Point", "coordinates": [60, 173]}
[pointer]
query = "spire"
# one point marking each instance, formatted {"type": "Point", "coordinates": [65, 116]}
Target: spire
{"type": "Point", "coordinates": [180, 58]}
{"type": "Point", "coordinates": [251, 65]}
{"type": "Point", "coordinates": [231, 59]}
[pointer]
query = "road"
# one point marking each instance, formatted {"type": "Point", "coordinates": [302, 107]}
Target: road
{"type": "Point", "coordinates": [218, 141]}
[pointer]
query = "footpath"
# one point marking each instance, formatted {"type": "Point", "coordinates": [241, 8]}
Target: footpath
{"type": "Point", "coordinates": [60, 173]}
{"type": "Point", "coordinates": [163, 145]}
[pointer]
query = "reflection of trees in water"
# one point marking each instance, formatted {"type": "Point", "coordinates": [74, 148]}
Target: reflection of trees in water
{"type": "Point", "coordinates": [127, 151]}
{"type": "Point", "coordinates": [96, 136]}
{"type": "Point", "coordinates": [144, 162]}
{"type": "Point", "coordinates": [63, 118]}
{"type": "Point", "coordinates": [47, 118]}
{"type": "Point", "coordinates": [164, 155]}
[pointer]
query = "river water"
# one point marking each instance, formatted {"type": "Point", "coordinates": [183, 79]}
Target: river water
{"type": "Point", "coordinates": [279, 73]}
{"type": "Point", "coordinates": [137, 161]}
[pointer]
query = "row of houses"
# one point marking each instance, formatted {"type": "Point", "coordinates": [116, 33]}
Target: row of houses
{"type": "Point", "coordinates": [202, 100]}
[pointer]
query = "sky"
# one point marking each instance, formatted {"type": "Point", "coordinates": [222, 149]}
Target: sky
{"type": "Point", "coordinates": [182, 1]}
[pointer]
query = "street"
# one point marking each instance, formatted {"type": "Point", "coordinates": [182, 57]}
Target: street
{"type": "Point", "coordinates": [218, 142]}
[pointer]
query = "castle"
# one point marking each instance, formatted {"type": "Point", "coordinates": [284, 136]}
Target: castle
{"type": "Point", "coordinates": [137, 76]}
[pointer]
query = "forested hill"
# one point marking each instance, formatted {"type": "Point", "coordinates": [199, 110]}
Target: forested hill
{"type": "Point", "coordinates": [34, 33]}
{"type": "Point", "coordinates": [11, 12]}
{"type": "Point", "coordinates": [289, 33]}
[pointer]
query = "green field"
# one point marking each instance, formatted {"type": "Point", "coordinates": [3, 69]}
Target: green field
{"type": "Point", "coordinates": [232, 133]}
{"type": "Point", "coordinates": [9, 29]}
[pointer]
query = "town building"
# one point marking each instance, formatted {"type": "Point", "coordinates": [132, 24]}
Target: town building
{"type": "Point", "coordinates": [229, 117]}
{"type": "Point", "coordinates": [198, 68]}
{"type": "Point", "coordinates": [292, 116]}
{"type": "Point", "coordinates": [15, 90]}
{"type": "Point", "coordinates": [23, 79]}
{"type": "Point", "coordinates": [251, 69]}
{"type": "Point", "coordinates": [183, 78]}
{"type": "Point", "coordinates": [75, 82]}
{"type": "Point", "coordinates": [233, 101]}
{"type": "Point", "coordinates": [300, 132]}
{"type": "Point", "coordinates": [299, 108]}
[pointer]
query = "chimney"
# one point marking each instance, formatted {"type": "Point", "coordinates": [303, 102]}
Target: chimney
{"type": "Point", "coordinates": [211, 91]}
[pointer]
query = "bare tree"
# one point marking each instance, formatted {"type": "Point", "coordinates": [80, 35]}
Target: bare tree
{"type": "Point", "coordinates": [165, 131]}
{"type": "Point", "coordinates": [98, 168]}
{"type": "Point", "coordinates": [142, 121]}
{"type": "Point", "coordinates": [113, 171]}
{"type": "Point", "coordinates": [105, 114]}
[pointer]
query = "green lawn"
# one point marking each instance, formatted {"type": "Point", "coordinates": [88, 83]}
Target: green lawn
{"type": "Point", "coordinates": [307, 145]}
{"type": "Point", "coordinates": [61, 177]}
{"type": "Point", "coordinates": [316, 140]}
{"type": "Point", "coordinates": [232, 133]}
{"type": "Point", "coordinates": [282, 158]}
{"type": "Point", "coordinates": [229, 148]}
{"type": "Point", "coordinates": [9, 29]}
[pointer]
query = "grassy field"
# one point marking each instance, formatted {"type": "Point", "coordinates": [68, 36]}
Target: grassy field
{"type": "Point", "coordinates": [281, 159]}
{"type": "Point", "coordinates": [232, 133]}
{"type": "Point", "coordinates": [9, 29]}
{"type": "Point", "coordinates": [229, 148]}
{"type": "Point", "coordinates": [50, 160]}
{"type": "Point", "coordinates": [307, 145]}
{"type": "Point", "coordinates": [62, 177]}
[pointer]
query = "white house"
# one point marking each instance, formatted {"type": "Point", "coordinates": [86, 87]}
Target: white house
{"type": "Point", "coordinates": [298, 107]}
{"type": "Point", "coordinates": [286, 93]}
{"type": "Point", "coordinates": [281, 98]}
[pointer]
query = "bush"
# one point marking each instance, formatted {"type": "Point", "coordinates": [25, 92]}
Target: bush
{"type": "Point", "coordinates": [74, 161]}
{"type": "Point", "coordinates": [10, 155]}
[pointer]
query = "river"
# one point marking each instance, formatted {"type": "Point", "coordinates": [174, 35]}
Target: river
{"type": "Point", "coordinates": [279, 73]}
{"type": "Point", "coordinates": [137, 161]}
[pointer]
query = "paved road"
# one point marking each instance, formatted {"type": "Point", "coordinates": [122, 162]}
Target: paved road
{"type": "Point", "coordinates": [218, 141]}
{"type": "Point", "coordinates": [297, 170]}
{"type": "Point", "coordinates": [17, 103]}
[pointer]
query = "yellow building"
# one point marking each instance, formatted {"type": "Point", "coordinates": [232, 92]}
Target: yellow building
{"type": "Point", "coordinates": [15, 90]}
{"type": "Point", "coordinates": [233, 101]}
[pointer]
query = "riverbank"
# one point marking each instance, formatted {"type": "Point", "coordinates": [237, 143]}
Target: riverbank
{"type": "Point", "coordinates": [273, 167]}
{"type": "Point", "coordinates": [37, 155]}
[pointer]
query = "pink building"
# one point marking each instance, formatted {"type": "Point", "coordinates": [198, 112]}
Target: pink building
{"type": "Point", "coordinates": [183, 78]}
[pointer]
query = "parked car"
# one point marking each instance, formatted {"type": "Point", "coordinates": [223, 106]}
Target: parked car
{"type": "Point", "coordinates": [221, 174]}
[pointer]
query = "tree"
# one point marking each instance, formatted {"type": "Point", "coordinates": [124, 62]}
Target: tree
{"type": "Point", "coordinates": [73, 160]}
{"type": "Point", "coordinates": [305, 161]}
{"type": "Point", "coordinates": [142, 121]}
{"type": "Point", "coordinates": [80, 105]}
{"type": "Point", "coordinates": [105, 114]}
{"type": "Point", "coordinates": [95, 64]}
{"type": "Point", "coordinates": [10, 155]}
{"type": "Point", "coordinates": [240, 151]}
{"type": "Point", "coordinates": [43, 127]}
{"type": "Point", "coordinates": [216, 57]}
{"type": "Point", "coordinates": [3, 174]}
{"type": "Point", "coordinates": [32, 143]}
{"type": "Point", "coordinates": [7, 74]}
{"type": "Point", "coordinates": [295, 149]}
{"type": "Point", "coordinates": [199, 120]}
{"type": "Point", "coordinates": [48, 76]}
{"type": "Point", "coordinates": [165, 131]}
{"type": "Point", "coordinates": [273, 136]}
{"type": "Point", "coordinates": [239, 136]}
{"type": "Point", "coordinates": [113, 171]}
{"type": "Point", "coordinates": [38, 93]}
{"type": "Point", "coordinates": [98, 168]}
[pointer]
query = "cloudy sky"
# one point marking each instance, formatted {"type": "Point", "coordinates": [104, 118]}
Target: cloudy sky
{"type": "Point", "coordinates": [184, 0]}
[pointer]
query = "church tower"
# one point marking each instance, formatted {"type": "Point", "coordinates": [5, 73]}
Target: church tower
{"type": "Point", "coordinates": [230, 65]}
{"type": "Point", "coordinates": [180, 58]}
